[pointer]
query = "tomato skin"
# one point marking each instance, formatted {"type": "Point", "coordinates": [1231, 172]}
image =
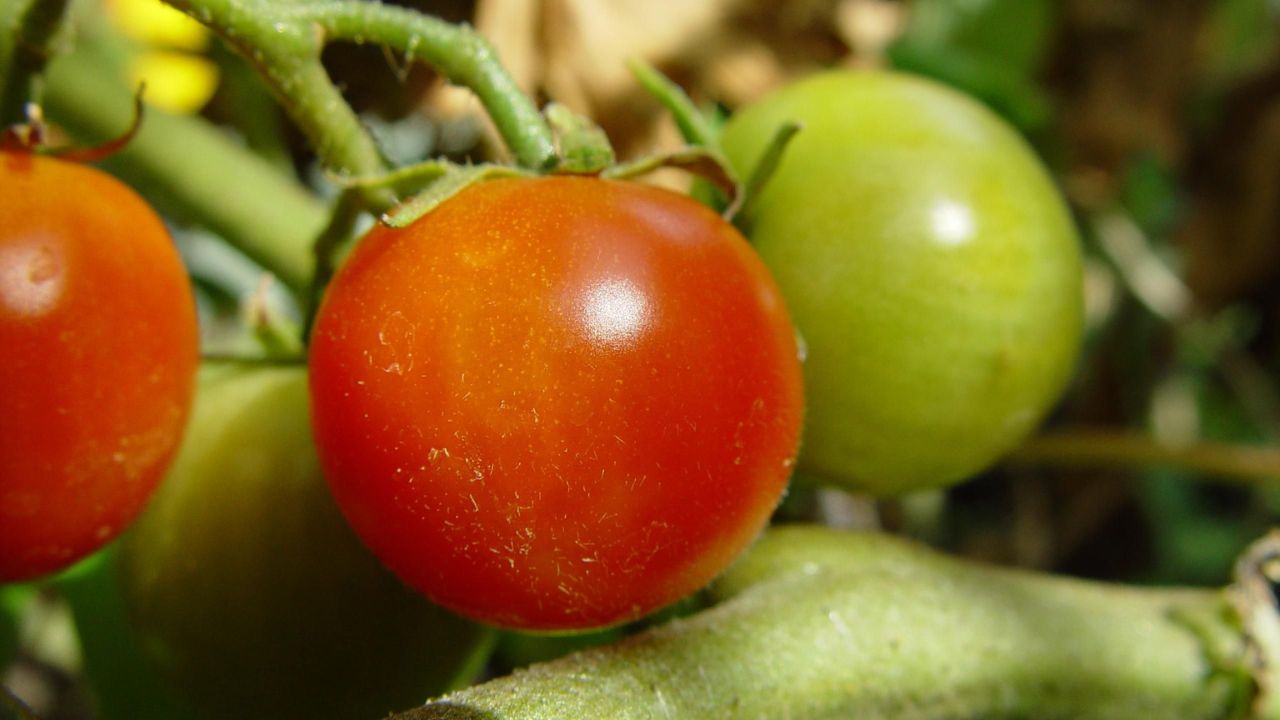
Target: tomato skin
{"type": "Point", "coordinates": [931, 267]}
{"type": "Point", "coordinates": [556, 403]}
{"type": "Point", "coordinates": [100, 345]}
{"type": "Point", "coordinates": [246, 588]}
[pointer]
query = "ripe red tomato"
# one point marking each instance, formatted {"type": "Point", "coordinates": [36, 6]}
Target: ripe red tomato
{"type": "Point", "coordinates": [556, 403]}
{"type": "Point", "coordinates": [98, 350]}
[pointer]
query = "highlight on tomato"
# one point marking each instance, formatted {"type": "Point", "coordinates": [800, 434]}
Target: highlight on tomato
{"type": "Point", "coordinates": [100, 345]}
{"type": "Point", "coordinates": [556, 403]}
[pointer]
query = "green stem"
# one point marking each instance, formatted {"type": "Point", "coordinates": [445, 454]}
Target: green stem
{"type": "Point", "coordinates": [287, 55]}
{"type": "Point", "coordinates": [814, 623]}
{"type": "Point", "coordinates": [459, 53]}
{"type": "Point", "coordinates": [284, 40]}
{"type": "Point", "coordinates": [1110, 448]}
{"type": "Point", "coordinates": [191, 171]}
{"type": "Point", "coordinates": [27, 29]}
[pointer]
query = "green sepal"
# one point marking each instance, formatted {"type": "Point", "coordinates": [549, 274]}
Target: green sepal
{"type": "Point", "coordinates": [704, 162]}
{"type": "Point", "coordinates": [696, 126]}
{"type": "Point", "coordinates": [405, 181]}
{"type": "Point", "coordinates": [584, 147]}
{"type": "Point", "coordinates": [454, 180]}
{"type": "Point", "coordinates": [766, 166]}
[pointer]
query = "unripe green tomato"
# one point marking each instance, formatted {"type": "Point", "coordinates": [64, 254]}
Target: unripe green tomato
{"type": "Point", "coordinates": [247, 588]}
{"type": "Point", "coordinates": [931, 266]}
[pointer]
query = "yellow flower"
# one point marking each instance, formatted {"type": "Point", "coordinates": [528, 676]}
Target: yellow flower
{"type": "Point", "coordinates": [178, 76]}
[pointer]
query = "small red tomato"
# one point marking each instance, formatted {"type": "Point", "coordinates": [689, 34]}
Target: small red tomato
{"type": "Point", "coordinates": [556, 403]}
{"type": "Point", "coordinates": [98, 350]}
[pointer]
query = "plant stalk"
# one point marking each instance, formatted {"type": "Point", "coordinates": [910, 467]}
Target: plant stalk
{"type": "Point", "coordinates": [1118, 448]}
{"type": "Point", "coordinates": [27, 29]}
{"type": "Point", "coordinates": [284, 40]}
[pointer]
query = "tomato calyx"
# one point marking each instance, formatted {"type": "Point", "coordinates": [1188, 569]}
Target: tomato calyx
{"type": "Point", "coordinates": [32, 136]}
{"type": "Point", "coordinates": [584, 151]}
{"type": "Point", "coordinates": [701, 129]}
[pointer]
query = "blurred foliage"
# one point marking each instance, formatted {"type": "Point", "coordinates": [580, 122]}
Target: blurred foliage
{"type": "Point", "coordinates": [124, 687]}
{"type": "Point", "coordinates": [992, 49]}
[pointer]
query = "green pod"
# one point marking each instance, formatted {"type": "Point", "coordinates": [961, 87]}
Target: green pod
{"type": "Point", "coordinates": [246, 587]}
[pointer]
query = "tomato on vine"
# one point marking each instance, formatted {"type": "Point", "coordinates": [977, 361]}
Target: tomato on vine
{"type": "Point", "coordinates": [100, 344]}
{"type": "Point", "coordinates": [556, 403]}
{"type": "Point", "coordinates": [930, 265]}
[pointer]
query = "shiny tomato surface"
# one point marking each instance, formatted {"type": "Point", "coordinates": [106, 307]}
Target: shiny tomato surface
{"type": "Point", "coordinates": [98, 350]}
{"type": "Point", "coordinates": [931, 265]}
{"type": "Point", "coordinates": [556, 403]}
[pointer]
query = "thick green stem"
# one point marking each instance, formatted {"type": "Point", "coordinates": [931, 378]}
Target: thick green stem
{"type": "Point", "coordinates": [463, 56]}
{"type": "Point", "coordinates": [287, 55]}
{"type": "Point", "coordinates": [192, 171]}
{"type": "Point", "coordinates": [284, 40]}
{"type": "Point", "coordinates": [27, 28]}
{"type": "Point", "coordinates": [819, 624]}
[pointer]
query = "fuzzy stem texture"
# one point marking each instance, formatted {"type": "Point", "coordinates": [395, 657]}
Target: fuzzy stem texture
{"type": "Point", "coordinates": [284, 40]}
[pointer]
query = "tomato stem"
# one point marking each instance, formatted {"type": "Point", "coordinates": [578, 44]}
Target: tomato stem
{"type": "Point", "coordinates": [27, 30]}
{"type": "Point", "coordinates": [584, 147]}
{"type": "Point", "coordinates": [284, 41]}
{"type": "Point", "coordinates": [268, 360]}
{"type": "Point", "coordinates": [342, 223]}
{"type": "Point", "coordinates": [459, 53]}
{"type": "Point", "coordinates": [1092, 447]}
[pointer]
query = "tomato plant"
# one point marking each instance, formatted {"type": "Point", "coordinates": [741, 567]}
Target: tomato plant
{"type": "Point", "coordinates": [556, 403]}
{"type": "Point", "coordinates": [931, 267]}
{"type": "Point", "coordinates": [98, 327]}
{"type": "Point", "coordinates": [247, 588]}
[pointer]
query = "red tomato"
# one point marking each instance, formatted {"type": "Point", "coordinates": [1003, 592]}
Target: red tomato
{"type": "Point", "coordinates": [556, 403]}
{"type": "Point", "coordinates": [98, 350]}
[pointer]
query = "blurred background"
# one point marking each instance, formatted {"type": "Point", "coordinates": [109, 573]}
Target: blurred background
{"type": "Point", "coordinates": [1160, 120]}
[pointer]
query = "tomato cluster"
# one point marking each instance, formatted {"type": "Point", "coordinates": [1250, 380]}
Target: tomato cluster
{"type": "Point", "coordinates": [550, 403]}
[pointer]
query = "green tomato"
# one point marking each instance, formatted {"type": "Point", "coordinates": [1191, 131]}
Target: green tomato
{"type": "Point", "coordinates": [247, 588]}
{"type": "Point", "coordinates": [929, 263]}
